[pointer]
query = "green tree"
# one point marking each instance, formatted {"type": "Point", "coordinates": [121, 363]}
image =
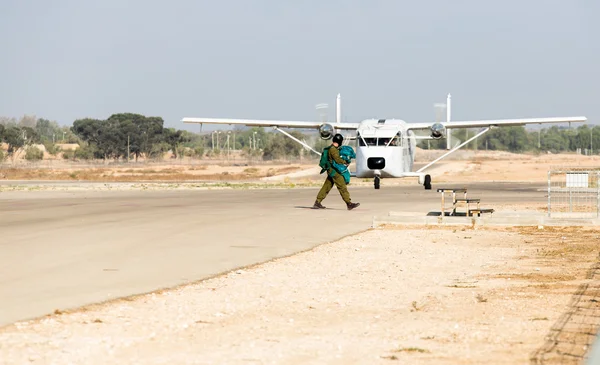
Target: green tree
{"type": "Point", "coordinates": [48, 131]}
{"type": "Point", "coordinates": [280, 146]}
{"type": "Point", "coordinates": [143, 132]}
{"type": "Point", "coordinates": [175, 138]}
{"type": "Point", "coordinates": [554, 140]}
{"type": "Point", "coordinates": [13, 136]}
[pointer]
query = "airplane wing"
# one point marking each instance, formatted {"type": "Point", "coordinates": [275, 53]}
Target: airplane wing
{"type": "Point", "coordinates": [269, 123]}
{"type": "Point", "coordinates": [498, 122]}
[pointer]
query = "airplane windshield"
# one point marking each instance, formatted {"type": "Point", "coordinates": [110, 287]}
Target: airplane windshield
{"type": "Point", "coordinates": [368, 141]}
{"type": "Point", "coordinates": [397, 141]}
{"type": "Point", "coordinates": [381, 141]}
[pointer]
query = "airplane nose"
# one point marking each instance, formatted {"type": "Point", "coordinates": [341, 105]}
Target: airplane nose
{"type": "Point", "coordinates": [376, 163]}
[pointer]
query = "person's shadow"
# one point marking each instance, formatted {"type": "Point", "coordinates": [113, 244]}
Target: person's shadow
{"type": "Point", "coordinates": [311, 208]}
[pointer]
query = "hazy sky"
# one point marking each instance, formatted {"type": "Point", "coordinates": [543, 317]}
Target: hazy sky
{"type": "Point", "coordinates": [69, 59]}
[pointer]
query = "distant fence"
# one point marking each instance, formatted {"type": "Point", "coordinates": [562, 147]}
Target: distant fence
{"type": "Point", "coordinates": [574, 192]}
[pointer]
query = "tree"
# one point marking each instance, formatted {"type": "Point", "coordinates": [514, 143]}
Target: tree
{"type": "Point", "coordinates": [280, 146]}
{"type": "Point", "coordinates": [174, 138]}
{"type": "Point", "coordinates": [13, 136]}
{"type": "Point", "coordinates": [28, 121]}
{"type": "Point", "coordinates": [88, 129]}
{"type": "Point", "coordinates": [48, 131]}
{"type": "Point", "coordinates": [554, 140]}
{"type": "Point", "coordinates": [31, 136]}
{"type": "Point", "coordinates": [143, 132]}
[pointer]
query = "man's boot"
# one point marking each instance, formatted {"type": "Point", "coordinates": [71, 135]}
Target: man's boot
{"type": "Point", "coordinates": [352, 205]}
{"type": "Point", "coordinates": [318, 205]}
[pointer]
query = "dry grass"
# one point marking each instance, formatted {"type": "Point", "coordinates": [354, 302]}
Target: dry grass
{"type": "Point", "coordinates": [536, 277]}
{"type": "Point", "coordinates": [191, 173]}
{"type": "Point", "coordinates": [251, 170]}
{"type": "Point", "coordinates": [412, 349]}
{"type": "Point", "coordinates": [569, 249]}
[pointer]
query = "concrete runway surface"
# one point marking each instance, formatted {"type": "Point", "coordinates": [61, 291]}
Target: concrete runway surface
{"type": "Point", "coordinates": [62, 250]}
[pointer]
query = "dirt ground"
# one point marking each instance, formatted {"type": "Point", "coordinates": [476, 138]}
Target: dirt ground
{"type": "Point", "coordinates": [159, 172]}
{"type": "Point", "coordinates": [504, 166]}
{"type": "Point", "coordinates": [460, 166]}
{"type": "Point", "coordinates": [418, 295]}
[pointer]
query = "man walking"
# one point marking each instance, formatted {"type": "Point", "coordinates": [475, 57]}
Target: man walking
{"type": "Point", "coordinates": [333, 176]}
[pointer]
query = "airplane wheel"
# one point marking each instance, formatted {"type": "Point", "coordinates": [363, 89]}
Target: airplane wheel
{"type": "Point", "coordinates": [427, 183]}
{"type": "Point", "coordinates": [376, 182]}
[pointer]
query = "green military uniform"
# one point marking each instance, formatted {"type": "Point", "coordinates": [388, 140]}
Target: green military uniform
{"type": "Point", "coordinates": [334, 178]}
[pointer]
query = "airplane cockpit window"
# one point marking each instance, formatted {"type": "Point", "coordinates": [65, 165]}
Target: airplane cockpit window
{"type": "Point", "coordinates": [395, 141]}
{"type": "Point", "coordinates": [383, 141]}
{"type": "Point", "coordinates": [368, 141]}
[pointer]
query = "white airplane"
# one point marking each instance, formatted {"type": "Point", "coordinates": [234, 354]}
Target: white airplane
{"type": "Point", "coordinates": [386, 147]}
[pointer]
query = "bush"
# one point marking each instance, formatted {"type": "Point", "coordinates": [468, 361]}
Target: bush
{"type": "Point", "coordinates": [68, 155]}
{"type": "Point", "coordinates": [34, 154]}
{"type": "Point", "coordinates": [199, 152]}
{"type": "Point", "coordinates": [2, 156]}
{"type": "Point", "coordinates": [52, 148]}
{"type": "Point", "coordinates": [84, 153]}
{"type": "Point", "coordinates": [159, 150]}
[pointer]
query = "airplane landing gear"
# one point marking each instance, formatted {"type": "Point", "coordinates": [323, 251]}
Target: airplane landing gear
{"type": "Point", "coordinates": [427, 182]}
{"type": "Point", "coordinates": [376, 182]}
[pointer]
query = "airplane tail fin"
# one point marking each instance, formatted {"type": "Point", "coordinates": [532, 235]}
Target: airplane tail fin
{"type": "Point", "coordinates": [338, 109]}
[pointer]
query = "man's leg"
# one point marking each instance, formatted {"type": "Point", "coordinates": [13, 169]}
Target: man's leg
{"type": "Point", "coordinates": [343, 189]}
{"type": "Point", "coordinates": [325, 189]}
{"type": "Point", "coordinates": [340, 184]}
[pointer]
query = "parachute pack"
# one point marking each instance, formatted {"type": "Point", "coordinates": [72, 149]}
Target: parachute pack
{"type": "Point", "coordinates": [346, 153]}
{"type": "Point", "coordinates": [324, 161]}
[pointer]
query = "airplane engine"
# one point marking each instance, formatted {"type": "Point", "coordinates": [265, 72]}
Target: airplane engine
{"type": "Point", "coordinates": [326, 131]}
{"type": "Point", "coordinates": [438, 131]}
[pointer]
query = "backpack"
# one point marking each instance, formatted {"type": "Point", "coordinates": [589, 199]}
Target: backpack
{"type": "Point", "coordinates": [347, 154]}
{"type": "Point", "coordinates": [324, 161]}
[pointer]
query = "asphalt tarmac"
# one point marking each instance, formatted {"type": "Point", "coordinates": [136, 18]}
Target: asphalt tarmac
{"type": "Point", "coordinates": [62, 250]}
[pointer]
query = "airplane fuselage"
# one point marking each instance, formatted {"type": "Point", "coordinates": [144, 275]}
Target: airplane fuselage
{"type": "Point", "coordinates": [383, 148]}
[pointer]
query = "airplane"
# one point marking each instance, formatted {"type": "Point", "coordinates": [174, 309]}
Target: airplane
{"type": "Point", "coordinates": [386, 147]}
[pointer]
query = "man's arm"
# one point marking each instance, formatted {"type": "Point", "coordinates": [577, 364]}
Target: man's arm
{"type": "Point", "coordinates": [335, 156]}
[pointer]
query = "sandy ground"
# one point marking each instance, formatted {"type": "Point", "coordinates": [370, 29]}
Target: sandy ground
{"type": "Point", "coordinates": [159, 172]}
{"type": "Point", "coordinates": [502, 166]}
{"type": "Point", "coordinates": [419, 296]}
{"type": "Point", "coordinates": [458, 167]}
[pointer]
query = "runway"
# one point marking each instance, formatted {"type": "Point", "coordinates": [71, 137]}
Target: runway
{"type": "Point", "coordinates": [61, 250]}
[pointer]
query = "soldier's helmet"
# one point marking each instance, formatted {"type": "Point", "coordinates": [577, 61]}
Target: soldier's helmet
{"type": "Point", "coordinates": [338, 138]}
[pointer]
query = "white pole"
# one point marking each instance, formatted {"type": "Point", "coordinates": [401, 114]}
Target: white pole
{"type": "Point", "coordinates": [448, 113]}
